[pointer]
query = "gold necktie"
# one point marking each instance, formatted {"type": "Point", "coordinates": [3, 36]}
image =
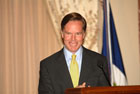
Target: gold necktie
{"type": "Point", "coordinates": [74, 71]}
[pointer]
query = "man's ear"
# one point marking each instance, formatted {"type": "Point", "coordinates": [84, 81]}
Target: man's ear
{"type": "Point", "coordinates": [84, 34]}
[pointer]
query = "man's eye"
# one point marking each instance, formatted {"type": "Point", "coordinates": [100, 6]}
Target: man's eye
{"type": "Point", "coordinates": [68, 33]}
{"type": "Point", "coordinates": [79, 33]}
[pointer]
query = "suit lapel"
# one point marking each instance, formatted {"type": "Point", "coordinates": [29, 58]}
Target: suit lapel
{"type": "Point", "coordinates": [63, 70]}
{"type": "Point", "coordinates": [85, 68]}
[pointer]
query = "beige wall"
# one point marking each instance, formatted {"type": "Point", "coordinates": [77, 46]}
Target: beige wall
{"type": "Point", "coordinates": [125, 14]}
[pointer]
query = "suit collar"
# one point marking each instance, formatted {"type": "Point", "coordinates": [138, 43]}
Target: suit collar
{"type": "Point", "coordinates": [63, 69]}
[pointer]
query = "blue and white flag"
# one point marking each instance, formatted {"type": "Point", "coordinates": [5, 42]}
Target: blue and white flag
{"type": "Point", "coordinates": [111, 48]}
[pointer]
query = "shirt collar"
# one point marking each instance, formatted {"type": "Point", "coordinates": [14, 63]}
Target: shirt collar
{"type": "Point", "coordinates": [78, 53]}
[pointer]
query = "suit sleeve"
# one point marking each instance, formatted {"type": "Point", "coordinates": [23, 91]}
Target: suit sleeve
{"type": "Point", "coordinates": [45, 84]}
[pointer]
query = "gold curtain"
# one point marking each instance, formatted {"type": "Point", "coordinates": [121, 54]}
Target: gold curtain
{"type": "Point", "coordinates": [90, 9]}
{"type": "Point", "coordinates": [26, 37]}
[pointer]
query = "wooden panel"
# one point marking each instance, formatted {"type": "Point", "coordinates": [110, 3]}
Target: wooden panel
{"type": "Point", "coordinates": [105, 90]}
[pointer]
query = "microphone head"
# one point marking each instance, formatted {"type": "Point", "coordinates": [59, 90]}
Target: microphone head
{"type": "Point", "coordinates": [100, 65]}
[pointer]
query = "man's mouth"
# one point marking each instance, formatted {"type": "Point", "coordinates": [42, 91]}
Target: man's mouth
{"type": "Point", "coordinates": [73, 44]}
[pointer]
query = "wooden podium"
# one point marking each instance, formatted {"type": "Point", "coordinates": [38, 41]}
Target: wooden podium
{"type": "Point", "coordinates": [105, 90]}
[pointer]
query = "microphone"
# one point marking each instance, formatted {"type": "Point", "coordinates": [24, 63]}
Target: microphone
{"type": "Point", "coordinates": [100, 65]}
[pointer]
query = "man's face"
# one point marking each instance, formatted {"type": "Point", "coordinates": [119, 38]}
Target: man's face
{"type": "Point", "coordinates": [73, 35]}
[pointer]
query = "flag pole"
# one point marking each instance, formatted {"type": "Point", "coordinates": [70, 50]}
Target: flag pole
{"type": "Point", "coordinates": [106, 3]}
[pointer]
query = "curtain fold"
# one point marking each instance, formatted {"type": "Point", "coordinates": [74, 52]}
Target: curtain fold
{"type": "Point", "coordinates": [25, 30]}
{"type": "Point", "coordinates": [90, 9]}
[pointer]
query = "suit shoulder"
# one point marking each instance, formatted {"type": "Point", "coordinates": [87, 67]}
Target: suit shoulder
{"type": "Point", "coordinates": [53, 56]}
{"type": "Point", "coordinates": [93, 53]}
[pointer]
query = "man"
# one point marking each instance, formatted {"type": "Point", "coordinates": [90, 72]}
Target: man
{"type": "Point", "coordinates": [57, 73]}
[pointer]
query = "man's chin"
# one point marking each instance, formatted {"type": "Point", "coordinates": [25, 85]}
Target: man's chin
{"type": "Point", "coordinates": [73, 50]}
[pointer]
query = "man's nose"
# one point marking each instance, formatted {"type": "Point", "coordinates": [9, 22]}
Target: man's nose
{"type": "Point", "coordinates": [73, 36]}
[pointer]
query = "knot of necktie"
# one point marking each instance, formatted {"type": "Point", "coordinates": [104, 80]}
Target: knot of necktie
{"type": "Point", "coordinates": [73, 57]}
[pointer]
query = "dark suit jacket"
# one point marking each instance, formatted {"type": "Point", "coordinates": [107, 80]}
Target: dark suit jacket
{"type": "Point", "coordinates": [55, 77]}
